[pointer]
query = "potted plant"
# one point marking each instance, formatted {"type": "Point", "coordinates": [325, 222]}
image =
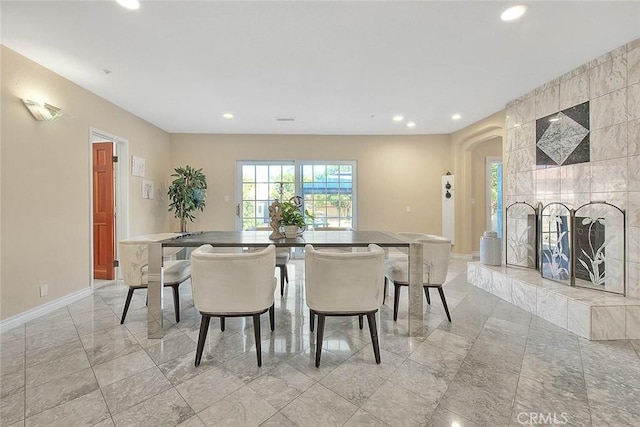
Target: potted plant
{"type": "Point", "coordinates": [293, 219]}
{"type": "Point", "coordinates": [187, 193]}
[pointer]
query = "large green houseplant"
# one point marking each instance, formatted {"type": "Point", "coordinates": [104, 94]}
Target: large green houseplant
{"type": "Point", "coordinates": [187, 193]}
{"type": "Point", "coordinates": [293, 219]}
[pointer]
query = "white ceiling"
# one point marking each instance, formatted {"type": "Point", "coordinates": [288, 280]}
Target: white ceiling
{"type": "Point", "coordinates": [336, 67]}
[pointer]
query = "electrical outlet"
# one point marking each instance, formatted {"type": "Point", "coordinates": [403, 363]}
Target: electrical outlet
{"type": "Point", "coordinates": [44, 290]}
{"type": "Point", "coordinates": [408, 208]}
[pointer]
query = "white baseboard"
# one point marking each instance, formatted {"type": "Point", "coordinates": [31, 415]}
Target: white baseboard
{"type": "Point", "coordinates": [22, 318]}
{"type": "Point", "coordinates": [464, 257]}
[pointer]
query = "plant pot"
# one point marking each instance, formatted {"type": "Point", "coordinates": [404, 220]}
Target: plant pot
{"type": "Point", "coordinates": [290, 231]}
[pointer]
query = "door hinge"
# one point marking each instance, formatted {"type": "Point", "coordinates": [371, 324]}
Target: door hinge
{"type": "Point", "coordinates": [116, 263]}
{"type": "Point", "coordinates": [238, 209]}
{"type": "Point", "coordinates": [115, 159]}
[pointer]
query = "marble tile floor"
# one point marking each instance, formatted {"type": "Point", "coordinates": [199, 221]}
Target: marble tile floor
{"type": "Point", "coordinates": [495, 365]}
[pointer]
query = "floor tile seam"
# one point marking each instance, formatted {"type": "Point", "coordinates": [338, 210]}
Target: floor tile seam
{"type": "Point", "coordinates": [384, 380]}
{"type": "Point", "coordinates": [215, 401]}
{"type": "Point", "coordinates": [368, 413]}
{"type": "Point", "coordinates": [140, 402]}
{"type": "Point", "coordinates": [65, 402]}
{"type": "Point", "coordinates": [585, 381]}
{"type": "Point", "coordinates": [99, 386]}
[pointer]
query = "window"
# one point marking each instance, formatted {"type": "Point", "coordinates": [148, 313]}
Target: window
{"type": "Point", "coordinates": [327, 189]}
{"type": "Point", "coordinates": [494, 194]}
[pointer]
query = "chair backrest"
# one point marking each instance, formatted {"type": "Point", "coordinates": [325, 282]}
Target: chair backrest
{"type": "Point", "coordinates": [436, 251]}
{"type": "Point", "coordinates": [133, 254]}
{"type": "Point", "coordinates": [344, 281]}
{"type": "Point", "coordinates": [232, 282]}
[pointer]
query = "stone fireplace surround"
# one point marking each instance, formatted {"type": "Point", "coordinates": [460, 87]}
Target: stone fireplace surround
{"type": "Point", "coordinates": [611, 171]}
{"type": "Point", "coordinates": [591, 314]}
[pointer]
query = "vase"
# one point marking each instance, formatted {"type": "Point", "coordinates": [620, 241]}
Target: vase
{"type": "Point", "coordinates": [290, 231]}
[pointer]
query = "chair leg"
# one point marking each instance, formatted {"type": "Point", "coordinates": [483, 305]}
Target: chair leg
{"type": "Point", "coordinates": [176, 302]}
{"type": "Point", "coordinates": [426, 294]}
{"type": "Point", "coordinates": [256, 330]}
{"type": "Point", "coordinates": [281, 268]}
{"type": "Point", "coordinates": [396, 301]}
{"type": "Point", "coordinates": [444, 302]}
{"type": "Point", "coordinates": [126, 305]}
{"type": "Point", "coordinates": [373, 329]}
{"type": "Point", "coordinates": [384, 294]}
{"type": "Point", "coordinates": [312, 320]}
{"type": "Point", "coordinates": [272, 317]}
{"type": "Point", "coordinates": [319, 339]}
{"type": "Point", "coordinates": [361, 321]}
{"type": "Point", "coordinates": [286, 273]}
{"type": "Point", "coordinates": [222, 324]}
{"type": "Point", "coordinates": [204, 329]}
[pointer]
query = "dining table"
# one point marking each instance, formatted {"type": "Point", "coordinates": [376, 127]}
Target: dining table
{"type": "Point", "coordinates": [256, 239]}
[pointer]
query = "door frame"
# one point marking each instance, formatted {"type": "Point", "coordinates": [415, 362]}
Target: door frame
{"type": "Point", "coordinates": [121, 148]}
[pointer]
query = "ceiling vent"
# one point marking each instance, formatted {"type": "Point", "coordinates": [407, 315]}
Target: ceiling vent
{"type": "Point", "coordinates": [285, 119]}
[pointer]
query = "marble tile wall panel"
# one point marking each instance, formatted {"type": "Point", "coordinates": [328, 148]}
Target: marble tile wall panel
{"type": "Point", "coordinates": [606, 57]}
{"type": "Point", "coordinates": [633, 66]}
{"type": "Point", "coordinates": [633, 137]}
{"type": "Point", "coordinates": [608, 323]}
{"type": "Point", "coordinates": [633, 242]}
{"type": "Point", "coordinates": [612, 215]}
{"type": "Point", "coordinates": [510, 183]}
{"type": "Point", "coordinates": [634, 173]}
{"type": "Point", "coordinates": [547, 181]}
{"type": "Point", "coordinates": [551, 307]}
{"type": "Point", "coordinates": [634, 101]}
{"type": "Point", "coordinates": [608, 110]}
{"type": "Point", "coordinates": [547, 100]}
{"type": "Point", "coordinates": [609, 175]}
{"type": "Point", "coordinates": [472, 270]}
{"type": "Point", "coordinates": [608, 77]}
{"type": "Point", "coordinates": [524, 135]}
{"type": "Point", "coordinates": [501, 286]}
{"type": "Point", "coordinates": [579, 318]}
{"type": "Point", "coordinates": [525, 182]}
{"type": "Point", "coordinates": [574, 91]}
{"type": "Point", "coordinates": [574, 200]}
{"type": "Point", "coordinates": [608, 143]}
{"type": "Point", "coordinates": [523, 296]}
{"type": "Point", "coordinates": [633, 44]}
{"type": "Point", "coordinates": [632, 322]}
{"type": "Point", "coordinates": [521, 112]}
{"type": "Point", "coordinates": [523, 159]}
{"type": "Point", "coordinates": [633, 283]}
{"type": "Point", "coordinates": [613, 276]}
{"type": "Point", "coordinates": [633, 211]}
{"type": "Point", "coordinates": [575, 178]}
{"type": "Point", "coordinates": [484, 276]}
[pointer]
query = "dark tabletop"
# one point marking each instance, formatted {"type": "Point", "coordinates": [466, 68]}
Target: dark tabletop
{"type": "Point", "coordinates": [261, 238]}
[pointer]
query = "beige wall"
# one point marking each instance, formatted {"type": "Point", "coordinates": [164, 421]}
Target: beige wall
{"type": "Point", "coordinates": [45, 183]}
{"type": "Point", "coordinates": [466, 145]}
{"type": "Point", "coordinates": [393, 172]}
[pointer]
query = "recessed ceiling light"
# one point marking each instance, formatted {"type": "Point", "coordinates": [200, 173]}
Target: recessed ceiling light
{"type": "Point", "coordinates": [227, 116]}
{"type": "Point", "coordinates": [129, 4]}
{"type": "Point", "coordinates": [456, 117]}
{"type": "Point", "coordinates": [554, 119]}
{"type": "Point", "coordinates": [513, 13]}
{"type": "Point", "coordinates": [411, 125]}
{"type": "Point", "coordinates": [398, 118]}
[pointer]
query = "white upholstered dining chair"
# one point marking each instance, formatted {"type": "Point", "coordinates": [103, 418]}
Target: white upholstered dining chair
{"type": "Point", "coordinates": [435, 257]}
{"type": "Point", "coordinates": [232, 285]}
{"type": "Point", "coordinates": [282, 259]}
{"type": "Point", "coordinates": [344, 284]}
{"type": "Point", "coordinates": [133, 255]}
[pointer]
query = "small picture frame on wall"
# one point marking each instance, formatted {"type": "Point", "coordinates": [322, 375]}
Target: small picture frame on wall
{"type": "Point", "coordinates": [147, 189]}
{"type": "Point", "coordinates": [137, 166]}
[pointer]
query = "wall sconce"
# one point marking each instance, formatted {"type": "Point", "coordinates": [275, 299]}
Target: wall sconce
{"type": "Point", "coordinates": [41, 111]}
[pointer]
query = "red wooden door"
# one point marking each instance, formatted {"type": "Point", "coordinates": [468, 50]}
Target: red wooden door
{"type": "Point", "coordinates": [103, 211]}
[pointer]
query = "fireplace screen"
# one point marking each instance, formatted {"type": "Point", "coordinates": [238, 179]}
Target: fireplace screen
{"type": "Point", "coordinates": [583, 247]}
